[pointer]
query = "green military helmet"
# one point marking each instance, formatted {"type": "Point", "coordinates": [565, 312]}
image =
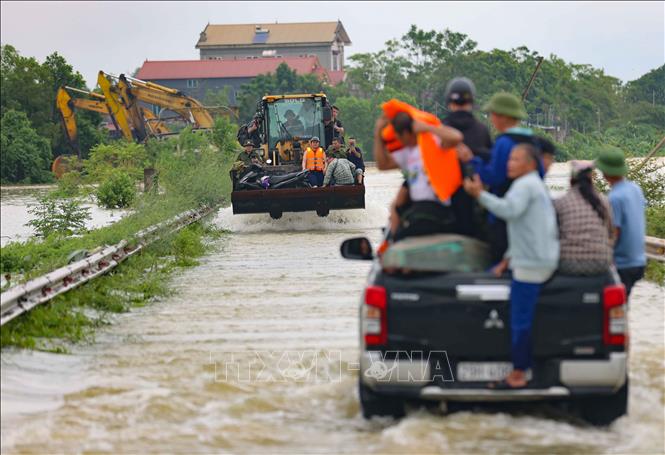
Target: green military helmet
{"type": "Point", "coordinates": [611, 161]}
{"type": "Point", "coordinates": [505, 103]}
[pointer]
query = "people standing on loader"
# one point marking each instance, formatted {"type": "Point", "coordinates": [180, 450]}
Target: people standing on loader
{"type": "Point", "coordinates": [339, 171]}
{"type": "Point", "coordinates": [335, 149]}
{"type": "Point", "coordinates": [250, 132]}
{"type": "Point", "coordinates": [333, 127]}
{"type": "Point", "coordinates": [355, 155]}
{"type": "Point", "coordinates": [425, 214]}
{"type": "Point", "coordinates": [245, 160]}
{"type": "Point", "coordinates": [314, 160]}
{"type": "Point", "coordinates": [506, 112]}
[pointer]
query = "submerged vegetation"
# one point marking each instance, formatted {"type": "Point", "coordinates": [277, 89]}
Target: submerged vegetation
{"type": "Point", "coordinates": [192, 170]}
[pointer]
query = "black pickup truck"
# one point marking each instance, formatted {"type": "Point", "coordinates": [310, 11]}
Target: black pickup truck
{"type": "Point", "coordinates": [441, 337]}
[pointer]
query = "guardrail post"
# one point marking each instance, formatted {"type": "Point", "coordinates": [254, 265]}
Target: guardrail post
{"type": "Point", "coordinates": [149, 178]}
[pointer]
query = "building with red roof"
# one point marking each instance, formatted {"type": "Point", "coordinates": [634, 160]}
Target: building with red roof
{"type": "Point", "coordinates": [198, 77]}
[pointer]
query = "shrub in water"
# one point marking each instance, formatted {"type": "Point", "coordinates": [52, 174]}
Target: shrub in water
{"type": "Point", "coordinates": [116, 191]}
{"type": "Point", "coordinates": [58, 216]}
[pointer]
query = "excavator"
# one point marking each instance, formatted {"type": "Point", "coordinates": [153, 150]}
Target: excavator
{"type": "Point", "coordinates": [67, 106]}
{"type": "Point", "coordinates": [125, 101]}
{"type": "Point", "coordinates": [278, 186]}
{"type": "Point", "coordinates": [148, 92]}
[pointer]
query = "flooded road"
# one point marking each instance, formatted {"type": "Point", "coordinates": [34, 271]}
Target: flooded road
{"type": "Point", "coordinates": [256, 351]}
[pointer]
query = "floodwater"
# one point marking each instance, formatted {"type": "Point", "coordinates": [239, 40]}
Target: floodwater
{"type": "Point", "coordinates": [16, 201]}
{"type": "Point", "coordinates": [256, 351]}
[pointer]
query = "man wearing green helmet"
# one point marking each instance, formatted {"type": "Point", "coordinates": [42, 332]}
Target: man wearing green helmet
{"type": "Point", "coordinates": [506, 111]}
{"type": "Point", "coordinates": [628, 205]}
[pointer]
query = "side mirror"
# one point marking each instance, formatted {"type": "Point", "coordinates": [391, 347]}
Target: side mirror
{"type": "Point", "coordinates": [327, 113]}
{"type": "Point", "coordinates": [357, 248]}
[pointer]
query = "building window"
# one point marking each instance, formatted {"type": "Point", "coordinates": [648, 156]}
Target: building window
{"type": "Point", "coordinates": [192, 83]}
{"type": "Point", "coordinates": [335, 61]}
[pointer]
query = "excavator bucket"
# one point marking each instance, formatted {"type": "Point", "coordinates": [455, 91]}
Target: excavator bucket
{"type": "Point", "coordinates": [319, 200]}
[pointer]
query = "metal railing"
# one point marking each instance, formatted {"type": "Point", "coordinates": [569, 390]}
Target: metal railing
{"type": "Point", "coordinates": [23, 297]}
{"type": "Point", "coordinates": [655, 249]}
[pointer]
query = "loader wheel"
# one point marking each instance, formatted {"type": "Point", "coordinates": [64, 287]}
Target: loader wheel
{"type": "Point", "coordinates": [322, 212]}
{"type": "Point", "coordinates": [275, 214]}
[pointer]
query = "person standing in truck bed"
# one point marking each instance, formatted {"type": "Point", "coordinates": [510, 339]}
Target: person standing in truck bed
{"type": "Point", "coordinates": [506, 111]}
{"type": "Point", "coordinates": [533, 248]}
{"type": "Point", "coordinates": [460, 96]}
{"type": "Point", "coordinates": [628, 206]}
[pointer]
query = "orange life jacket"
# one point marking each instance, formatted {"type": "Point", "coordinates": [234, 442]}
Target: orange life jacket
{"type": "Point", "coordinates": [441, 165]}
{"type": "Point", "coordinates": [314, 159]}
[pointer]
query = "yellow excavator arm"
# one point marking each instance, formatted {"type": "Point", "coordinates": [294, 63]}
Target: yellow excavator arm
{"type": "Point", "coordinates": [188, 108]}
{"type": "Point", "coordinates": [118, 111]}
{"type": "Point", "coordinates": [65, 106]}
{"type": "Point", "coordinates": [134, 112]}
{"type": "Point", "coordinates": [156, 126]}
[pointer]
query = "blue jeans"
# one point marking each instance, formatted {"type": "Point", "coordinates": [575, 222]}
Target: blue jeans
{"type": "Point", "coordinates": [523, 298]}
{"type": "Point", "coordinates": [315, 178]}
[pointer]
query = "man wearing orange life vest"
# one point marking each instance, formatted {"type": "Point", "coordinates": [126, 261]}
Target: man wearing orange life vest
{"type": "Point", "coordinates": [426, 214]}
{"type": "Point", "coordinates": [314, 159]}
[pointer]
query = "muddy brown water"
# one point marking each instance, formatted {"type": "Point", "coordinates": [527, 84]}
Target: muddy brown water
{"type": "Point", "coordinates": [158, 379]}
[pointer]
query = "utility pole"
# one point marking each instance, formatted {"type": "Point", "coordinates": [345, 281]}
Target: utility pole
{"type": "Point", "coordinates": [533, 76]}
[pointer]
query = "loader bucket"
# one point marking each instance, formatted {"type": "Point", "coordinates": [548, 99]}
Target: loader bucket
{"type": "Point", "coordinates": [319, 200]}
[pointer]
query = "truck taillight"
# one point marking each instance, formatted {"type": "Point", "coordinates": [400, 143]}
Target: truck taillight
{"type": "Point", "coordinates": [615, 316]}
{"type": "Point", "coordinates": [375, 321]}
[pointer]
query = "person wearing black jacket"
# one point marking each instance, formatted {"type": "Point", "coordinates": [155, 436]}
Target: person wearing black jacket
{"type": "Point", "coordinates": [460, 93]}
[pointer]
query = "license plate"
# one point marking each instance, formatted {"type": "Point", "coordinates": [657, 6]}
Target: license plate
{"type": "Point", "coordinates": [483, 371]}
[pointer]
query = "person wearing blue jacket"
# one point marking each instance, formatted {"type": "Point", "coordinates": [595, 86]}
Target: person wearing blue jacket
{"type": "Point", "coordinates": [506, 111]}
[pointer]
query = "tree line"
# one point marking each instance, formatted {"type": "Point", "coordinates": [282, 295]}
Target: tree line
{"type": "Point", "coordinates": [32, 133]}
{"type": "Point", "coordinates": [578, 105]}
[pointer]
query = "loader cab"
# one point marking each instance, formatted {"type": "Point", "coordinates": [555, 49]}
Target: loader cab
{"type": "Point", "coordinates": [290, 121]}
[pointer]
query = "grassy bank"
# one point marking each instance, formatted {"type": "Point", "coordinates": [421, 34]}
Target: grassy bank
{"type": "Point", "coordinates": [74, 316]}
{"type": "Point", "coordinates": [192, 170]}
{"type": "Point", "coordinates": [655, 270]}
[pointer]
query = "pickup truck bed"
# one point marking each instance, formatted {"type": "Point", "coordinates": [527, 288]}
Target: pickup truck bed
{"type": "Point", "coordinates": [444, 336]}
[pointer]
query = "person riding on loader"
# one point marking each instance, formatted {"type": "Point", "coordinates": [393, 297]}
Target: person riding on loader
{"type": "Point", "coordinates": [244, 161]}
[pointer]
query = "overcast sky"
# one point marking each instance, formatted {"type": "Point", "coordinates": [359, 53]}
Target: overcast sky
{"type": "Point", "coordinates": [627, 39]}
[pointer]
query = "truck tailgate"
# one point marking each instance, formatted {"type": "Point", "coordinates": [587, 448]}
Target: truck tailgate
{"type": "Point", "coordinates": [468, 315]}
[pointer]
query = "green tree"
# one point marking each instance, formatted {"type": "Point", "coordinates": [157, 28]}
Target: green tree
{"type": "Point", "coordinates": [25, 154]}
{"type": "Point", "coordinates": [104, 159]}
{"type": "Point", "coordinates": [649, 88]}
{"type": "Point", "coordinates": [31, 87]}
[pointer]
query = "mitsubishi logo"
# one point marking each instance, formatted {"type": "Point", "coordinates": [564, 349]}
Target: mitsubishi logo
{"type": "Point", "coordinates": [493, 321]}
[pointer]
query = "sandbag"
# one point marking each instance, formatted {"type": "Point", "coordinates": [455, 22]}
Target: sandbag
{"type": "Point", "coordinates": [438, 253]}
